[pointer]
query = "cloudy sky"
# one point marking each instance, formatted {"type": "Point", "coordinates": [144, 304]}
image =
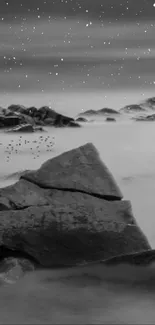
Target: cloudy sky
{"type": "Point", "coordinates": [75, 54]}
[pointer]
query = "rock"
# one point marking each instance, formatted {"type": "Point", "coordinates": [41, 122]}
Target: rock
{"type": "Point", "coordinates": [12, 269]}
{"type": "Point", "coordinates": [110, 119]}
{"type": "Point", "coordinates": [148, 118]}
{"type": "Point", "coordinates": [39, 129]}
{"type": "Point", "coordinates": [132, 109]}
{"type": "Point", "coordinates": [108, 111]}
{"type": "Point", "coordinates": [21, 195]}
{"type": "Point", "coordinates": [17, 108]}
{"type": "Point", "coordinates": [81, 119]}
{"type": "Point", "coordinates": [22, 128]}
{"type": "Point", "coordinates": [75, 227]}
{"type": "Point", "coordinates": [68, 212]}
{"type": "Point", "coordinates": [10, 121]}
{"type": "Point", "coordinates": [73, 124]}
{"type": "Point", "coordinates": [89, 112]}
{"type": "Point", "coordinates": [102, 111]}
{"type": "Point", "coordinates": [80, 169]}
{"type": "Point", "coordinates": [140, 258]}
{"type": "Point", "coordinates": [148, 104]}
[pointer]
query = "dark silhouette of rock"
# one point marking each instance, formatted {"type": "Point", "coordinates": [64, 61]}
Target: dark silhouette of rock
{"type": "Point", "coordinates": [108, 111]}
{"type": "Point", "coordinates": [17, 108]}
{"type": "Point", "coordinates": [9, 121]}
{"type": "Point", "coordinates": [110, 119]}
{"type": "Point", "coordinates": [102, 111]}
{"type": "Point", "coordinates": [132, 109]}
{"type": "Point", "coordinates": [148, 104]}
{"type": "Point", "coordinates": [22, 128]}
{"type": "Point", "coordinates": [81, 119]}
{"type": "Point", "coordinates": [74, 215]}
{"type": "Point", "coordinates": [148, 118]}
{"type": "Point", "coordinates": [80, 169]}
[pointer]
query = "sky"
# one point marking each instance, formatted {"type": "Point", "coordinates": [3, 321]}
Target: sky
{"type": "Point", "coordinates": [76, 54]}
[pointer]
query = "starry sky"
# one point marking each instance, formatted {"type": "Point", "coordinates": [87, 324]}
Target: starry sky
{"type": "Point", "coordinates": [76, 54]}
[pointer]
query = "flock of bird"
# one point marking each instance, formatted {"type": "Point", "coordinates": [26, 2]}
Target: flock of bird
{"type": "Point", "coordinates": [35, 146]}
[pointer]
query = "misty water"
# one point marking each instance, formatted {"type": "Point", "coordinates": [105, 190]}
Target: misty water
{"type": "Point", "coordinates": [127, 148]}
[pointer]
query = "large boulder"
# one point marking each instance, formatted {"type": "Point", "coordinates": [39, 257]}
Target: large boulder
{"type": "Point", "coordinates": [80, 169]}
{"type": "Point", "coordinates": [68, 212]}
{"type": "Point", "coordinates": [57, 227]}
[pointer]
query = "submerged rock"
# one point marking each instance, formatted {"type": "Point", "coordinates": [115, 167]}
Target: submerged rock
{"type": "Point", "coordinates": [68, 212]}
{"type": "Point", "coordinates": [110, 119]}
{"type": "Point", "coordinates": [100, 112]}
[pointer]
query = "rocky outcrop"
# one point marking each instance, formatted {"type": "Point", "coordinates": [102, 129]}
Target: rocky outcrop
{"type": "Point", "coordinates": [110, 119]}
{"type": "Point", "coordinates": [28, 128]}
{"type": "Point", "coordinates": [81, 119]}
{"type": "Point", "coordinates": [132, 109]}
{"type": "Point", "coordinates": [147, 118]}
{"type": "Point", "coordinates": [68, 212]}
{"type": "Point", "coordinates": [102, 111]}
{"type": "Point", "coordinates": [16, 115]}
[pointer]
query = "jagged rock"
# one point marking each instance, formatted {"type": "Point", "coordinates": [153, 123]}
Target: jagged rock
{"type": "Point", "coordinates": [73, 228]}
{"type": "Point", "coordinates": [81, 119]}
{"type": "Point", "coordinates": [102, 111]}
{"type": "Point", "coordinates": [80, 169]}
{"type": "Point", "coordinates": [73, 124]}
{"type": "Point", "coordinates": [22, 128]}
{"type": "Point", "coordinates": [22, 195]}
{"type": "Point", "coordinates": [10, 121]}
{"type": "Point", "coordinates": [132, 109]}
{"type": "Point", "coordinates": [139, 258]}
{"type": "Point", "coordinates": [148, 118]}
{"type": "Point", "coordinates": [74, 215]}
{"type": "Point", "coordinates": [110, 119]}
{"type": "Point", "coordinates": [17, 108]}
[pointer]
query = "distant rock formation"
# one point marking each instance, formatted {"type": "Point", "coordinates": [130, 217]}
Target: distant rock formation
{"type": "Point", "coordinates": [81, 119]}
{"type": "Point", "coordinates": [69, 211]}
{"type": "Point", "coordinates": [15, 115]}
{"type": "Point", "coordinates": [148, 118]}
{"type": "Point", "coordinates": [134, 108]}
{"type": "Point", "coordinates": [102, 111]}
{"type": "Point", "coordinates": [149, 104]}
{"type": "Point", "coordinates": [110, 119]}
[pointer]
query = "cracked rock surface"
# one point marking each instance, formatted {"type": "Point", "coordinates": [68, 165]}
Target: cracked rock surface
{"type": "Point", "coordinates": [69, 211]}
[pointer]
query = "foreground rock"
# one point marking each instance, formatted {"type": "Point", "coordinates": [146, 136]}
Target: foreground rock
{"type": "Point", "coordinates": [12, 269]}
{"type": "Point", "coordinates": [68, 212]}
{"type": "Point", "coordinates": [80, 169]}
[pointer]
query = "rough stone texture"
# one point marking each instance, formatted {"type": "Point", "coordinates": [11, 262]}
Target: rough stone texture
{"type": "Point", "coordinates": [10, 121]}
{"type": "Point", "coordinates": [21, 195]}
{"type": "Point", "coordinates": [148, 118]}
{"type": "Point", "coordinates": [73, 231]}
{"type": "Point", "coordinates": [80, 169]}
{"type": "Point", "coordinates": [76, 215]}
{"type": "Point", "coordinates": [12, 269]}
{"type": "Point", "coordinates": [140, 258]}
{"type": "Point", "coordinates": [134, 108]}
{"type": "Point", "coordinates": [81, 119]}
